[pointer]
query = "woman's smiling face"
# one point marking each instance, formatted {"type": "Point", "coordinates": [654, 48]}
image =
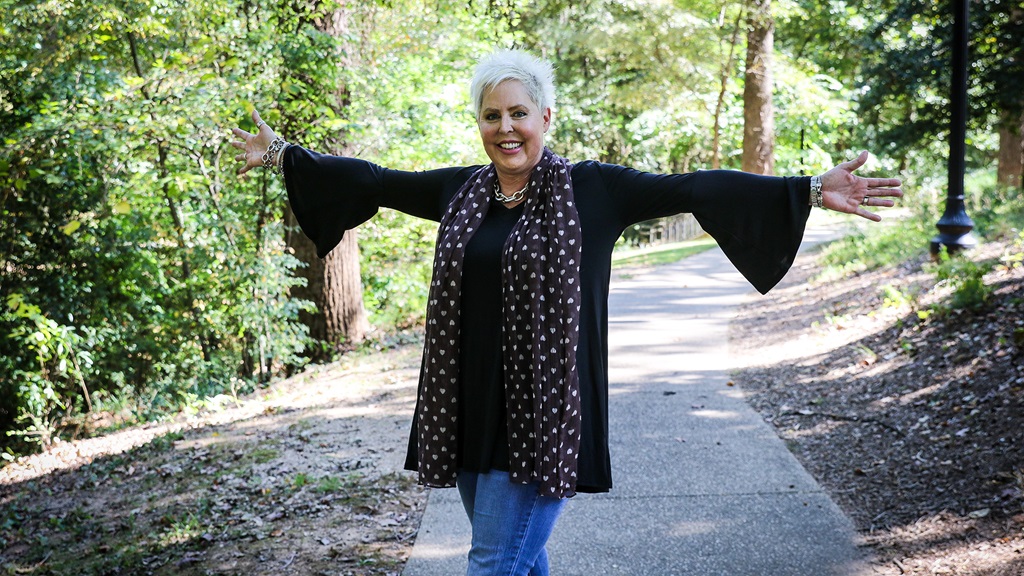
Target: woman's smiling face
{"type": "Point", "coordinates": [512, 129]}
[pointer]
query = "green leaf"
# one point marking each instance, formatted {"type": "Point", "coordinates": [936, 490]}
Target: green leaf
{"type": "Point", "coordinates": [70, 227]}
{"type": "Point", "coordinates": [122, 207]}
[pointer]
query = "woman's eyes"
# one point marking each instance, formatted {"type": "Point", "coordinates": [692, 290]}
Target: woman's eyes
{"type": "Point", "coordinates": [493, 117]}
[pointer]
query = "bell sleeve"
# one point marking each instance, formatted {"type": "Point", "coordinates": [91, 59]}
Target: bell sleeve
{"type": "Point", "coordinates": [758, 221]}
{"type": "Point", "coordinates": [330, 194]}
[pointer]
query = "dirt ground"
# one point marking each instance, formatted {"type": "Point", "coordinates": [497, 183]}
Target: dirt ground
{"type": "Point", "coordinates": [304, 479]}
{"type": "Point", "coordinates": [914, 426]}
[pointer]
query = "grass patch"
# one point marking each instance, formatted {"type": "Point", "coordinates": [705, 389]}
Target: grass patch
{"type": "Point", "coordinates": [329, 484]}
{"type": "Point", "coordinates": [166, 441]}
{"type": "Point", "coordinates": [662, 254]}
{"type": "Point", "coordinates": [263, 455]}
{"type": "Point", "coordinates": [885, 245]}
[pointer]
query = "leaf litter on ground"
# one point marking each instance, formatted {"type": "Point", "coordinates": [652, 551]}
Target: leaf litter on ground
{"type": "Point", "coordinates": [910, 413]}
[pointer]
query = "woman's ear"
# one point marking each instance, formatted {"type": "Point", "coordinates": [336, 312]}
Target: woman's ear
{"type": "Point", "coordinates": [547, 119]}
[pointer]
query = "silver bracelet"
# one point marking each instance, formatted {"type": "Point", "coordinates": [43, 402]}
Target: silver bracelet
{"type": "Point", "coordinates": [279, 162]}
{"type": "Point", "coordinates": [816, 198]}
{"type": "Point", "coordinates": [270, 157]}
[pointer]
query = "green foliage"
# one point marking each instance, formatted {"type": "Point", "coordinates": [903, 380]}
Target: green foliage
{"type": "Point", "coordinates": [59, 367]}
{"type": "Point", "coordinates": [885, 245]}
{"type": "Point", "coordinates": [893, 297]}
{"type": "Point", "coordinates": [329, 484]}
{"type": "Point", "coordinates": [397, 251]}
{"type": "Point", "coordinates": [663, 254]}
{"type": "Point", "coordinates": [124, 233]}
{"type": "Point", "coordinates": [907, 59]}
{"type": "Point", "coordinates": [966, 277]}
{"type": "Point", "coordinates": [410, 111]}
{"type": "Point", "coordinates": [1014, 257]}
{"type": "Point", "coordinates": [997, 211]}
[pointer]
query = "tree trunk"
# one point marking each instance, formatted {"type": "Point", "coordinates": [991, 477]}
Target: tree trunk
{"type": "Point", "coordinates": [333, 283]}
{"type": "Point", "coordinates": [758, 114]}
{"type": "Point", "coordinates": [1010, 172]}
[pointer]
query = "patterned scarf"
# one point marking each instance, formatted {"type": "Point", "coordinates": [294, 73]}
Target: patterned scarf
{"type": "Point", "coordinates": [540, 331]}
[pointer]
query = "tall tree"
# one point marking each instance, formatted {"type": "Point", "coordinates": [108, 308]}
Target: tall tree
{"type": "Point", "coordinates": [319, 89]}
{"type": "Point", "coordinates": [716, 141]}
{"type": "Point", "coordinates": [758, 112]}
{"type": "Point", "coordinates": [1010, 171]}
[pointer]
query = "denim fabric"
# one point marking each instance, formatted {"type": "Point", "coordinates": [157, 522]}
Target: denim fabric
{"type": "Point", "coordinates": [511, 524]}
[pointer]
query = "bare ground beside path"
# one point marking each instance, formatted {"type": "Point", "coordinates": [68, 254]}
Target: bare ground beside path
{"type": "Point", "coordinates": [915, 427]}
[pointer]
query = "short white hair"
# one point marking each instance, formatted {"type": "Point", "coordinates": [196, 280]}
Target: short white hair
{"type": "Point", "coordinates": [536, 75]}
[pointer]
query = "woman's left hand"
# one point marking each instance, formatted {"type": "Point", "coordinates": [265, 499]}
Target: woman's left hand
{"type": "Point", "coordinates": [843, 191]}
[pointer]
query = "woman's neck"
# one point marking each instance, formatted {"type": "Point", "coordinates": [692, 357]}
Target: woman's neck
{"type": "Point", "coordinates": [512, 184]}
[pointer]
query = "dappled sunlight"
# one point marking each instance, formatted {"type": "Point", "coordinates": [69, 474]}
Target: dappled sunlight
{"type": "Point", "coordinates": [734, 392]}
{"type": "Point", "coordinates": [971, 546]}
{"type": "Point", "coordinates": [910, 421]}
{"type": "Point", "coordinates": [823, 427]}
{"type": "Point", "coordinates": [911, 396]}
{"type": "Point", "coordinates": [399, 406]}
{"type": "Point", "coordinates": [693, 528]}
{"type": "Point", "coordinates": [717, 414]}
{"type": "Point", "coordinates": [440, 552]}
{"type": "Point", "coordinates": [257, 482]}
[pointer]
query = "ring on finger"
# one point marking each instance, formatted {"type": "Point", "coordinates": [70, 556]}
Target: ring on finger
{"type": "Point", "coordinates": [865, 200]}
{"type": "Point", "coordinates": [260, 124]}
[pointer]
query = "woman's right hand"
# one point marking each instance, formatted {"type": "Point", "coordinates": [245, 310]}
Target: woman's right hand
{"type": "Point", "coordinates": [253, 146]}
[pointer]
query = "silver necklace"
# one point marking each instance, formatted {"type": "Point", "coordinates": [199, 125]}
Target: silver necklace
{"type": "Point", "coordinates": [506, 199]}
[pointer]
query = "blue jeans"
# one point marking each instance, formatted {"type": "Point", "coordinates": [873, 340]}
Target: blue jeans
{"type": "Point", "coordinates": [511, 524]}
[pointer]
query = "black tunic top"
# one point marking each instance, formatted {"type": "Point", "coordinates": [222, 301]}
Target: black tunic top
{"type": "Point", "coordinates": [757, 220]}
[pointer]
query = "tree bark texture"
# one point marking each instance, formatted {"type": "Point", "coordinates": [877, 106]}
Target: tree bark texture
{"type": "Point", "coordinates": [333, 284]}
{"type": "Point", "coordinates": [758, 112]}
{"type": "Point", "coordinates": [1011, 154]}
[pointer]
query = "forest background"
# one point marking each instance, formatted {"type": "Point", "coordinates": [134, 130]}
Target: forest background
{"type": "Point", "coordinates": [140, 275]}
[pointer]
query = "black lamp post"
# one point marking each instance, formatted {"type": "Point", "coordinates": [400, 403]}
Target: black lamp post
{"type": "Point", "coordinates": [955, 225]}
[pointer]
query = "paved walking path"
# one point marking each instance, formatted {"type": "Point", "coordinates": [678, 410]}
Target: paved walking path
{"type": "Point", "coordinates": [702, 485]}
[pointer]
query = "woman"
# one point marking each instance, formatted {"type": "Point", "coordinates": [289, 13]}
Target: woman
{"type": "Point", "coordinates": [512, 405]}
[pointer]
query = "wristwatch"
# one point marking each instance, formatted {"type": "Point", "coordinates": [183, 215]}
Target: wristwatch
{"type": "Point", "coordinates": [816, 199]}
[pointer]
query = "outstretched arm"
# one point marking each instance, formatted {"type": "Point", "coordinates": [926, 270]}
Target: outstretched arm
{"type": "Point", "coordinates": [843, 191]}
{"type": "Point", "coordinates": [332, 194]}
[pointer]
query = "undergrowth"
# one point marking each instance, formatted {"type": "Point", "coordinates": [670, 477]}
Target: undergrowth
{"type": "Point", "coordinates": [997, 212]}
